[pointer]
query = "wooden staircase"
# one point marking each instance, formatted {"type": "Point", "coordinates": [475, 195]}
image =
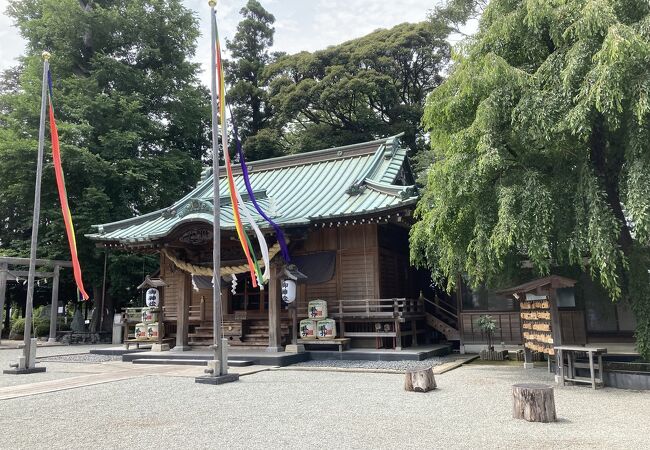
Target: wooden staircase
{"type": "Point", "coordinates": [443, 317]}
{"type": "Point", "coordinates": [251, 333]}
{"type": "Point", "coordinates": [451, 333]}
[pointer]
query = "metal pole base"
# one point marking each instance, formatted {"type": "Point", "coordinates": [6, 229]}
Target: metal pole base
{"type": "Point", "coordinates": [221, 379]}
{"type": "Point", "coordinates": [17, 371]}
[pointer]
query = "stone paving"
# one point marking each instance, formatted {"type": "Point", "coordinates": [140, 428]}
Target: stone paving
{"type": "Point", "coordinates": [298, 409]}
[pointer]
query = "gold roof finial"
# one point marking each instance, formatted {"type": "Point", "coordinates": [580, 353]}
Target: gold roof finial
{"type": "Point", "coordinates": [46, 55]}
{"type": "Point", "coordinates": [212, 3]}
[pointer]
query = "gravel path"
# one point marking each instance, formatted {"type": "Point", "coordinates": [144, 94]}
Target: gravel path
{"type": "Point", "coordinates": [292, 409]}
{"type": "Point", "coordinates": [401, 366]}
{"type": "Point", "coordinates": [81, 358]}
{"type": "Point", "coordinates": [48, 357]}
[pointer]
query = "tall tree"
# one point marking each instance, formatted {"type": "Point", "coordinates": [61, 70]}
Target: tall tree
{"type": "Point", "coordinates": [132, 118]}
{"type": "Point", "coordinates": [541, 137]}
{"type": "Point", "coordinates": [248, 91]}
{"type": "Point", "coordinates": [361, 89]}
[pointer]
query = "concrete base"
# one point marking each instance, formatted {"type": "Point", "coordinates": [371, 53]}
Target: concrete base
{"type": "Point", "coordinates": [181, 348]}
{"type": "Point", "coordinates": [274, 349]}
{"type": "Point", "coordinates": [51, 341]}
{"type": "Point", "coordinates": [221, 379]}
{"type": "Point", "coordinates": [160, 348]}
{"type": "Point", "coordinates": [17, 371]}
{"type": "Point", "coordinates": [529, 365]}
{"type": "Point", "coordinates": [295, 348]}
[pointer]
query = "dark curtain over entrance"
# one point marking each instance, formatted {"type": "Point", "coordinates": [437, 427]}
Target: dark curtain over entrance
{"type": "Point", "coordinates": [318, 267]}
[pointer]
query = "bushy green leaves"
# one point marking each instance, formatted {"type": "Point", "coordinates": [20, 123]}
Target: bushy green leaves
{"type": "Point", "coordinates": [540, 147]}
{"type": "Point", "coordinates": [131, 113]}
{"type": "Point", "coordinates": [368, 87]}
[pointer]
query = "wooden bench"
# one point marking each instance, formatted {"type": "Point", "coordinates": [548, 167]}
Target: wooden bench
{"type": "Point", "coordinates": [592, 353]}
{"type": "Point", "coordinates": [341, 342]}
{"type": "Point", "coordinates": [130, 342]}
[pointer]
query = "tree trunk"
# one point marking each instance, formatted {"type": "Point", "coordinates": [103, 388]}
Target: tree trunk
{"type": "Point", "coordinates": [533, 402]}
{"type": "Point", "coordinates": [419, 380]}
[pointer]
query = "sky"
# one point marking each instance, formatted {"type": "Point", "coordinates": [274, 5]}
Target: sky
{"type": "Point", "coordinates": [300, 24]}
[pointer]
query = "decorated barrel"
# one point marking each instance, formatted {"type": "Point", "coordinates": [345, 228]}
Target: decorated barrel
{"type": "Point", "coordinates": [133, 314]}
{"type": "Point", "coordinates": [153, 331]}
{"type": "Point", "coordinates": [141, 332]}
{"type": "Point", "coordinates": [326, 329]}
{"type": "Point", "coordinates": [307, 329]}
{"type": "Point", "coordinates": [149, 315]}
{"type": "Point", "coordinates": [317, 309]}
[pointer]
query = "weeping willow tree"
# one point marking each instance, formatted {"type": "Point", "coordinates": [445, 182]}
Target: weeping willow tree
{"type": "Point", "coordinates": [541, 149]}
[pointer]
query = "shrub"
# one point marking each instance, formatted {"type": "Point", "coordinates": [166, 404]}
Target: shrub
{"type": "Point", "coordinates": [487, 324]}
{"type": "Point", "coordinates": [17, 328]}
{"type": "Point", "coordinates": [41, 328]}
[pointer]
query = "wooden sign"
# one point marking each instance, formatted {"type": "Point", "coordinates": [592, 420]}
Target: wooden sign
{"type": "Point", "coordinates": [536, 323]}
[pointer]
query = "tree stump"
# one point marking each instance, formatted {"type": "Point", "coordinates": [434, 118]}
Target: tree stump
{"type": "Point", "coordinates": [533, 402]}
{"type": "Point", "coordinates": [419, 380]}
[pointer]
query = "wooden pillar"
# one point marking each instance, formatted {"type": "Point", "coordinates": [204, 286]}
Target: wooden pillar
{"type": "Point", "coordinates": [556, 329]}
{"type": "Point", "coordinates": [275, 332]}
{"type": "Point", "coordinates": [55, 304]}
{"type": "Point", "coordinates": [3, 290]}
{"type": "Point", "coordinates": [293, 311]}
{"type": "Point", "coordinates": [182, 319]}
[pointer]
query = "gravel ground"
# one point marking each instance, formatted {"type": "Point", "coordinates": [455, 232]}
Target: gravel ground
{"type": "Point", "coordinates": [55, 370]}
{"type": "Point", "coordinates": [383, 365]}
{"type": "Point", "coordinates": [291, 409]}
{"type": "Point", "coordinates": [82, 358]}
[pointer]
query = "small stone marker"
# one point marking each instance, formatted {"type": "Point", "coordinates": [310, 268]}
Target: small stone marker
{"type": "Point", "coordinates": [419, 380]}
{"type": "Point", "coordinates": [533, 402]}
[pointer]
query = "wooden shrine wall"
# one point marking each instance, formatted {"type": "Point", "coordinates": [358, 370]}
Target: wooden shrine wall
{"type": "Point", "coordinates": [508, 327]}
{"type": "Point", "coordinates": [536, 324]}
{"type": "Point", "coordinates": [356, 274]}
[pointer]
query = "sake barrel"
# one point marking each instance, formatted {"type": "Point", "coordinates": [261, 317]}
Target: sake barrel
{"type": "Point", "coordinates": [317, 309]}
{"type": "Point", "coordinates": [133, 314]}
{"type": "Point", "coordinates": [153, 330]}
{"type": "Point", "coordinates": [141, 332]}
{"type": "Point", "coordinates": [326, 329]}
{"type": "Point", "coordinates": [149, 315]}
{"type": "Point", "coordinates": [307, 329]}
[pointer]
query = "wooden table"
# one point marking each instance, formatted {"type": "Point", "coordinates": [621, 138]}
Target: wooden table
{"type": "Point", "coordinates": [341, 342]}
{"type": "Point", "coordinates": [592, 353]}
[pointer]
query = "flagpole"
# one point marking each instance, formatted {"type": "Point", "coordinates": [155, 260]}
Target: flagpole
{"type": "Point", "coordinates": [220, 351]}
{"type": "Point", "coordinates": [27, 350]}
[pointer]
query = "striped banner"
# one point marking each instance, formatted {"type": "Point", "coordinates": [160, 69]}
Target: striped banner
{"type": "Point", "coordinates": [63, 195]}
{"type": "Point", "coordinates": [235, 197]}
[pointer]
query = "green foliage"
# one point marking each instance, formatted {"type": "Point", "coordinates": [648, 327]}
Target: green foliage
{"type": "Point", "coordinates": [132, 117]}
{"type": "Point", "coordinates": [17, 329]}
{"type": "Point", "coordinates": [359, 90]}
{"type": "Point", "coordinates": [248, 94]}
{"type": "Point", "coordinates": [40, 320]}
{"type": "Point", "coordinates": [487, 324]}
{"type": "Point", "coordinates": [541, 150]}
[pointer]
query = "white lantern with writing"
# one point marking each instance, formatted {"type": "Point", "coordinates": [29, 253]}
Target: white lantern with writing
{"type": "Point", "coordinates": [152, 297]}
{"type": "Point", "coordinates": [288, 291]}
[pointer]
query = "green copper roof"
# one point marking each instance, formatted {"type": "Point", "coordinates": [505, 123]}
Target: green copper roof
{"type": "Point", "coordinates": [339, 183]}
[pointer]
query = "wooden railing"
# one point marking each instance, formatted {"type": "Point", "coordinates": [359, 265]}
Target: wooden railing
{"type": "Point", "coordinates": [381, 308]}
{"type": "Point", "coordinates": [442, 308]}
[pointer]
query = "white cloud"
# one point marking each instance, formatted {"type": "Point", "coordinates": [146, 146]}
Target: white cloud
{"type": "Point", "coordinates": [13, 44]}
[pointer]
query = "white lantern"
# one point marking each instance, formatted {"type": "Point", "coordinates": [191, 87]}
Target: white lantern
{"type": "Point", "coordinates": [288, 291]}
{"type": "Point", "coordinates": [152, 297]}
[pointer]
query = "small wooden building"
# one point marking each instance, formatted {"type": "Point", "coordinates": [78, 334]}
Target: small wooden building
{"type": "Point", "coordinates": [585, 313]}
{"type": "Point", "coordinates": [346, 212]}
